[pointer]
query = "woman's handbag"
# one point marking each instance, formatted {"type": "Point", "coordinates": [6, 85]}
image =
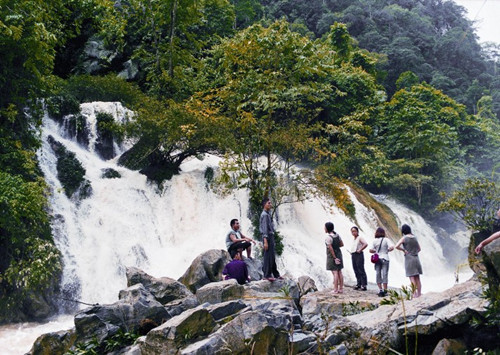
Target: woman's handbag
{"type": "Point", "coordinates": [375, 258]}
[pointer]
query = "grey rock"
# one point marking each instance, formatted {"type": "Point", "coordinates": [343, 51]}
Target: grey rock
{"type": "Point", "coordinates": [206, 268]}
{"type": "Point", "coordinates": [164, 289]}
{"type": "Point", "coordinates": [449, 347]}
{"type": "Point", "coordinates": [176, 307]}
{"type": "Point", "coordinates": [301, 342]}
{"type": "Point", "coordinates": [306, 285]}
{"type": "Point", "coordinates": [221, 291]}
{"type": "Point", "coordinates": [56, 343]}
{"type": "Point", "coordinates": [135, 306]}
{"type": "Point", "coordinates": [226, 309]}
{"type": "Point", "coordinates": [179, 331]}
{"type": "Point", "coordinates": [254, 267]}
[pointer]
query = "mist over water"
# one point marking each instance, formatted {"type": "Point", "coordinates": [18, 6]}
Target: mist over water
{"type": "Point", "coordinates": [130, 222]}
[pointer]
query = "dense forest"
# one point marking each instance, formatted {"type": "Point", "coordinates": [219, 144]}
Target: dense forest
{"type": "Point", "coordinates": [394, 96]}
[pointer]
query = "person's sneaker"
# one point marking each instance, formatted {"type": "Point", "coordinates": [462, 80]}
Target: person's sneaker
{"type": "Point", "coordinates": [363, 288]}
{"type": "Point", "coordinates": [381, 293]}
{"type": "Point", "coordinates": [270, 279]}
{"type": "Point", "coordinates": [357, 287]}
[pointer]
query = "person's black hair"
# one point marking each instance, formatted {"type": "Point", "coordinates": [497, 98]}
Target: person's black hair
{"type": "Point", "coordinates": [329, 227]}
{"type": "Point", "coordinates": [355, 228]}
{"type": "Point", "coordinates": [264, 201]}
{"type": "Point", "coordinates": [380, 232]}
{"type": "Point", "coordinates": [233, 222]}
{"type": "Point", "coordinates": [233, 253]}
{"type": "Point", "coordinates": [405, 229]}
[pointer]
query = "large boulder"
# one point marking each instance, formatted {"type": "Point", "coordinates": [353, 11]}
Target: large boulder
{"type": "Point", "coordinates": [56, 343]}
{"type": "Point", "coordinates": [164, 289]}
{"type": "Point", "coordinates": [427, 317]}
{"type": "Point", "coordinates": [221, 291]}
{"type": "Point", "coordinates": [248, 333]}
{"type": "Point", "coordinates": [179, 331]}
{"type": "Point", "coordinates": [254, 268]}
{"type": "Point", "coordinates": [491, 259]}
{"type": "Point", "coordinates": [286, 288]}
{"type": "Point", "coordinates": [176, 307]}
{"type": "Point", "coordinates": [136, 306]}
{"type": "Point", "coordinates": [206, 268]}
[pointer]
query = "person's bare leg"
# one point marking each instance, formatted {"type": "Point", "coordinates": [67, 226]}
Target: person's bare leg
{"type": "Point", "coordinates": [335, 282]}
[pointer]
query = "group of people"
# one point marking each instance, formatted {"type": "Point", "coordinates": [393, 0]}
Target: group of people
{"type": "Point", "coordinates": [236, 242]}
{"type": "Point", "coordinates": [408, 244]}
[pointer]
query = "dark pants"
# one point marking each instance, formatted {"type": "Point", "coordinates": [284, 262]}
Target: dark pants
{"type": "Point", "coordinates": [358, 264]}
{"type": "Point", "coordinates": [239, 245]}
{"type": "Point", "coordinates": [269, 267]}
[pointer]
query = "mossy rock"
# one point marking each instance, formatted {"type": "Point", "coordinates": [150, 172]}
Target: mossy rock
{"type": "Point", "coordinates": [384, 215]}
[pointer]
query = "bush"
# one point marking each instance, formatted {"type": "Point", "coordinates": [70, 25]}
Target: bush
{"type": "Point", "coordinates": [88, 88]}
{"type": "Point", "coordinates": [62, 105]}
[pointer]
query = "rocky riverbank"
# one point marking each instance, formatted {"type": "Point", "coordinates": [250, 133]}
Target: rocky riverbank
{"type": "Point", "coordinates": [198, 314]}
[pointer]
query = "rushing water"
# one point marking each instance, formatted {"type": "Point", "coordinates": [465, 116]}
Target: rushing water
{"type": "Point", "coordinates": [130, 222]}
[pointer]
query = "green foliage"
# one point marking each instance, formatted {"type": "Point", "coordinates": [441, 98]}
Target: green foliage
{"type": "Point", "coordinates": [70, 171]}
{"type": "Point", "coordinates": [395, 296]}
{"type": "Point", "coordinates": [432, 39]}
{"type": "Point", "coordinates": [355, 307]}
{"type": "Point", "coordinates": [62, 105]}
{"type": "Point", "coordinates": [168, 134]}
{"type": "Point", "coordinates": [270, 107]}
{"type": "Point", "coordinates": [86, 88]}
{"type": "Point", "coordinates": [406, 80]}
{"type": "Point", "coordinates": [418, 131]}
{"type": "Point", "coordinates": [116, 342]}
{"type": "Point", "coordinates": [475, 203]}
{"type": "Point", "coordinates": [29, 261]}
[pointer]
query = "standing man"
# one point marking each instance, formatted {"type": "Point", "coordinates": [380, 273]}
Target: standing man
{"type": "Point", "coordinates": [236, 241]}
{"type": "Point", "coordinates": [266, 229]}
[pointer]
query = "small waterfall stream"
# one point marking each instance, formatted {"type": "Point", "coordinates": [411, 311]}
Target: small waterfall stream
{"type": "Point", "coordinates": [129, 222]}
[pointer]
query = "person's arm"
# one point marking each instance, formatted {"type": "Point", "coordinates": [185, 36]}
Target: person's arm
{"type": "Point", "coordinates": [330, 248]}
{"type": "Point", "coordinates": [362, 245]}
{"type": "Point", "coordinates": [390, 246]}
{"type": "Point", "coordinates": [341, 243]}
{"type": "Point", "coordinates": [399, 245]}
{"type": "Point", "coordinates": [487, 241]}
{"type": "Point", "coordinates": [244, 237]}
{"type": "Point", "coordinates": [233, 238]}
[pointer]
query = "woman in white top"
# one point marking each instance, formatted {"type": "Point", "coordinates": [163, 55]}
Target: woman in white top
{"type": "Point", "coordinates": [382, 246]}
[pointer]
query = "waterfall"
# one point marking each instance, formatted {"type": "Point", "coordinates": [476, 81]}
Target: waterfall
{"type": "Point", "coordinates": [129, 222]}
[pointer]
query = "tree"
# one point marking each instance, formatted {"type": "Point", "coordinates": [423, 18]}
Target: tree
{"type": "Point", "coordinates": [167, 133]}
{"type": "Point", "coordinates": [475, 203]}
{"type": "Point", "coordinates": [418, 130]}
{"type": "Point", "coordinates": [272, 90]}
{"type": "Point", "coordinates": [167, 38]}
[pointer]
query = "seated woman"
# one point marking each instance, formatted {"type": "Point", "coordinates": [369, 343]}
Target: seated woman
{"type": "Point", "coordinates": [236, 269]}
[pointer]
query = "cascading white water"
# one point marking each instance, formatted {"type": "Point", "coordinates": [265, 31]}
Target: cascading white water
{"type": "Point", "coordinates": [130, 222]}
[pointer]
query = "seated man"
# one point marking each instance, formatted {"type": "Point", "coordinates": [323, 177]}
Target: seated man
{"type": "Point", "coordinates": [237, 241]}
{"type": "Point", "coordinates": [236, 269]}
